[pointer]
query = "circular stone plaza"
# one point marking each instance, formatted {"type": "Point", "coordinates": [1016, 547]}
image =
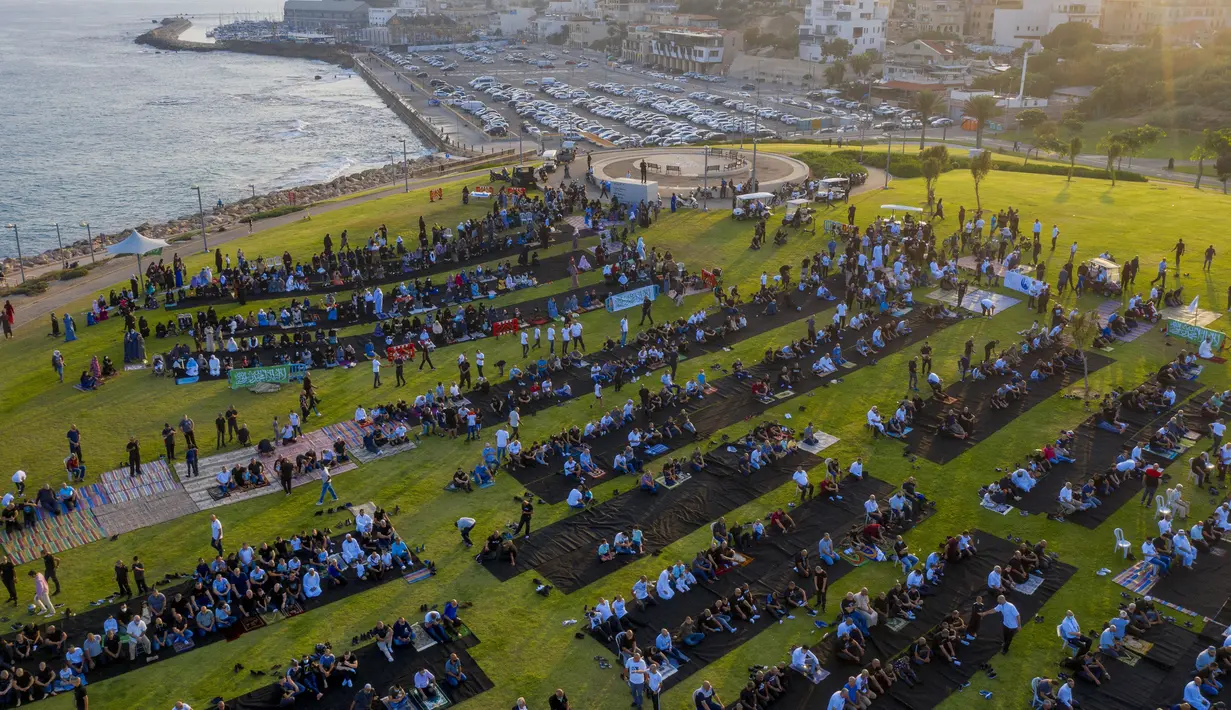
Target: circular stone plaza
{"type": "Point", "coordinates": [680, 168]}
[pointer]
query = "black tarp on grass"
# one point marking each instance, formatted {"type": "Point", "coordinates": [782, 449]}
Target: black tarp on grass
{"type": "Point", "coordinates": [374, 668]}
{"type": "Point", "coordinates": [1205, 588]}
{"type": "Point", "coordinates": [1096, 449]}
{"type": "Point", "coordinates": [770, 570]}
{"type": "Point", "coordinates": [731, 403]}
{"type": "Point", "coordinates": [1156, 681]}
{"type": "Point", "coordinates": [963, 581]}
{"type": "Point", "coordinates": [91, 620]}
{"type": "Point", "coordinates": [976, 394]}
{"type": "Point", "coordinates": [566, 551]}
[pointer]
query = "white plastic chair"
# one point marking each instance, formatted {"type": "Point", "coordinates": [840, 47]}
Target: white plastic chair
{"type": "Point", "coordinates": [1122, 545]}
{"type": "Point", "coordinates": [1064, 643]}
{"type": "Point", "coordinates": [1160, 507]}
{"type": "Point", "coordinates": [1192, 477]}
{"type": "Point", "coordinates": [1034, 694]}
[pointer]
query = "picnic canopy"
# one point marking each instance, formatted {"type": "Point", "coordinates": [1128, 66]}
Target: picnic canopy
{"type": "Point", "coordinates": [139, 244]}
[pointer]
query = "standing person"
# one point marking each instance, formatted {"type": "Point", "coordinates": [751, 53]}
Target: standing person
{"type": "Point", "coordinates": [1010, 617]}
{"type": "Point", "coordinates": [1209, 257]}
{"type": "Point", "coordinates": [912, 369]}
{"type": "Point", "coordinates": [188, 427]}
{"type": "Point", "coordinates": [220, 424]}
{"type": "Point", "coordinates": [427, 358]}
{"type": "Point", "coordinates": [654, 685]}
{"type": "Point", "coordinates": [8, 575]}
{"type": "Point", "coordinates": [121, 578]}
{"type": "Point", "coordinates": [577, 337]}
{"type": "Point", "coordinates": [138, 570]}
{"type": "Point", "coordinates": [286, 472]}
{"type": "Point", "coordinates": [1162, 273]}
{"type": "Point", "coordinates": [74, 442]}
{"type": "Point", "coordinates": [215, 533]}
{"type": "Point", "coordinates": [525, 343]}
{"type": "Point", "coordinates": [464, 525]}
{"type": "Point", "coordinates": [375, 372]}
{"type": "Point", "coordinates": [636, 671]}
{"type": "Point", "coordinates": [527, 512]}
{"type": "Point", "coordinates": [326, 487]}
{"type": "Point", "coordinates": [399, 378]}
{"type": "Point", "coordinates": [19, 481]}
{"type": "Point", "coordinates": [57, 364]}
{"type": "Point", "coordinates": [80, 695]}
{"type": "Point", "coordinates": [515, 422]}
{"type": "Point", "coordinates": [134, 456]}
{"type": "Point", "coordinates": [646, 304]}
{"type": "Point", "coordinates": [1179, 249]}
{"type": "Point", "coordinates": [42, 598]}
{"type": "Point", "coordinates": [559, 701]}
{"type": "Point", "coordinates": [191, 457]}
{"type": "Point", "coordinates": [293, 419]}
{"type": "Point", "coordinates": [623, 332]}
{"type": "Point", "coordinates": [168, 441]}
{"type": "Point", "coordinates": [551, 340]}
{"type": "Point", "coordinates": [51, 563]}
{"type": "Point", "coordinates": [232, 422]}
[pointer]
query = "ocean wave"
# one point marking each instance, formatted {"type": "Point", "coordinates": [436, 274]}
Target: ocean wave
{"type": "Point", "coordinates": [321, 172]}
{"type": "Point", "coordinates": [173, 101]}
{"type": "Point", "coordinates": [297, 129]}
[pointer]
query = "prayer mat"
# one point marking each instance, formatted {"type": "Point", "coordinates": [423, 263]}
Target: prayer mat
{"type": "Point", "coordinates": [422, 641]}
{"type": "Point", "coordinates": [896, 623]}
{"type": "Point", "coordinates": [656, 449]}
{"type": "Point", "coordinates": [1001, 509]}
{"type": "Point", "coordinates": [292, 609]}
{"type": "Point", "coordinates": [849, 365]}
{"type": "Point", "coordinates": [1128, 658]}
{"type": "Point", "coordinates": [671, 669]}
{"type": "Point", "coordinates": [816, 679]}
{"type": "Point", "coordinates": [134, 366]}
{"type": "Point", "coordinates": [1029, 586]}
{"type": "Point", "coordinates": [823, 441]}
{"type": "Point", "coordinates": [900, 312]}
{"type": "Point", "coordinates": [79, 388]}
{"type": "Point", "coordinates": [233, 631]}
{"type": "Point", "coordinates": [972, 299]}
{"type": "Point", "coordinates": [56, 534]}
{"type": "Point", "coordinates": [436, 700]}
{"type": "Point", "coordinates": [679, 481]}
{"type": "Point", "coordinates": [251, 623]}
{"type": "Point", "coordinates": [156, 477]}
{"type": "Point", "coordinates": [120, 518]}
{"type": "Point", "coordinates": [362, 455]}
{"type": "Point", "coordinates": [1139, 578]}
{"type": "Point", "coordinates": [596, 473]}
{"type": "Point", "coordinates": [417, 576]}
{"type": "Point", "coordinates": [1137, 645]}
{"type": "Point", "coordinates": [1170, 454]}
{"type": "Point", "coordinates": [1200, 319]}
{"type": "Point", "coordinates": [1109, 307]}
{"type": "Point", "coordinates": [185, 645]}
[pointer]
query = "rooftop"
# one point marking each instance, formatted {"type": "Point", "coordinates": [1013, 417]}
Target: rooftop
{"type": "Point", "coordinates": [331, 5]}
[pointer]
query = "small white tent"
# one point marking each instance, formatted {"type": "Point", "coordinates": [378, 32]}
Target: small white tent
{"type": "Point", "coordinates": [139, 244]}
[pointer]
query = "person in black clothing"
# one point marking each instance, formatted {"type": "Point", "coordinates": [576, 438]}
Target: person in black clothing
{"type": "Point", "coordinates": [138, 570]}
{"type": "Point", "coordinates": [168, 440]}
{"type": "Point", "coordinates": [121, 578]}
{"type": "Point", "coordinates": [645, 311]}
{"type": "Point", "coordinates": [233, 421]}
{"type": "Point", "coordinates": [427, 359]}
{"type": "Point", "coordinates": [134, 456]}
{"type": "Point", "coordinates": [79, 694]}
{"type": "Point", "coordinates": [221, 425]}
{"type": "Point", "coordinates": [961, 291]}
{"type": "Point", "coordinates": [925, 353]}
{"type": "Point", "coordinates": [398, 364]}
{"type": "Point", "coordinates": [1179, 249]}
{"type": "Point", "coordinates": [8, 575]}
{"type": "Point", "coordinates": [558, 700]}
{"type": "Point", "coordinates": [989, 348]}
{"type": "Point", "coordinates": [50, 564]}
{"type": "Point", "coordinates": [527, 512]}
{"type": "Point", "coordinates": [912, 368]}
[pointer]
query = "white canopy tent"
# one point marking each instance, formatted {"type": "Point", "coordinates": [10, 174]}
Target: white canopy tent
{"type": "Point", "coordinates": [139, 244]}
{"type": "Point", "coordinates": [754, 196]}
{"type": "Point", "coordinates": [904, 208]}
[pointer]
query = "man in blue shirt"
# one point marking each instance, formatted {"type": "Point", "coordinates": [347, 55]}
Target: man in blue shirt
{"type": "Point", "coordinates": [663, 643]}
{"type": "Point", "coordinates": [1064, 696]}
{"type": "Point", "coordinates": [1010, 617]}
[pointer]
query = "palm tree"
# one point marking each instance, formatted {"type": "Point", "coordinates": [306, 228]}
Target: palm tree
{"type": "Point", "coordinates": [926, 103]}
{"type": "Point", "coordinates": [932, 163]}
{"type": "Point", "coordinates": [982, 108]}
{"type": "Point", "coordinates": [861, 64]}
{"type": "Point", "coordinates": [980, 166]}
{"type": "Point", "coordinates": [1073, 149]}
{"type": "Point", "coordinates": [1113, 148]}
{"type": "Point", "coordinates": [1083, 329]}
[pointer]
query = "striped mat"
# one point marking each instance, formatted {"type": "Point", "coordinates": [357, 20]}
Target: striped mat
{"type": "Point", "coordinates": [119, 487]}
{"type": "Point", "coordinates": [1137, 578]}
{"type": "Point", "coordinates": [143, 512]}
{"type": "Point", "coordinates": [60, 533]}
{"type": "Point", "coordinates": [1106, 308]}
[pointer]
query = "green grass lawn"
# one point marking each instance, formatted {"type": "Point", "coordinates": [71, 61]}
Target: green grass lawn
{"type": "Point", "coordinates": [525, 649]}
{"type": "Point", "coordinates": [1178, 143]}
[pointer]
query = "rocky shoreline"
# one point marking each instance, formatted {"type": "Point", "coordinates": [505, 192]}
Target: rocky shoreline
{"type": "Point", "coordinates": [218, 219]}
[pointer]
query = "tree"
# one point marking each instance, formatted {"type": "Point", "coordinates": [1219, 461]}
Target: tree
{"type": "Point", "coordinates": [1147, 136]}
{"type": "Point", "coordinates": [933, 161]}
{"type": "Point", "coordinates": [982, 108]}
{"type": "Point", "coordinates": [838, 48]}
{"type": "Point", "coordinates": [1044, 139]}
{"type": "Point", "coordinates": [1072, 150]}
{"type": "Point", "coordinates": [1030, 118]}
{"type": "Point", "coordinates": [861, 64]}
{"type": "Point", "coordinates": [1072, 39]}
{"type": "Point", "coordinates": [834, 73]}
{"type": "Point", "coordinates": [927, 103]}
{"type": "Point", "coordinates": [752, 36]}
{"type": "Point", "coordinates": [980, 166]}
{"type": "Point", "coordinates": [1201, 153]}
{"type": "Point", "coordinates": [1113, 148]}
{"type": "Point", "coordinates": [1222, 167]}
{"type": "Point", "coordinates": [1083, 329]}
{"type": "Point", "coordinates": [1074, 121]}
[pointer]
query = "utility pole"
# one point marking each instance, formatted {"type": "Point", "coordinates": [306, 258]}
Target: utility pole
{"type": "Point", "coordinates": [201, 212]}
{"type": "Point", "coordinates": [253, 188]}
{"type": "Point", "coordinates": [405, 166]}
{"type": "Point", "coordinates": [89, 239]}
{"type": "Point", "coordinates": [19, 264]}
{"type": "Point", "coordinates": [59, 240]}
{"type": "Point", "coordinates": [705, 181]}
{"type": "Point", "coordinates": [888, 158]}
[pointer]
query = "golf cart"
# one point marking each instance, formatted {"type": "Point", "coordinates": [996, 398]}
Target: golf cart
{"type": "Point", "coordinates": [801, 217]}
{"type": "Point", "coordinates": [523, 176]}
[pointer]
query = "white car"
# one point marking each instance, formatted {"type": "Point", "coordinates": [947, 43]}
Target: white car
{"type": "Point", "coordinates": [530, 82]}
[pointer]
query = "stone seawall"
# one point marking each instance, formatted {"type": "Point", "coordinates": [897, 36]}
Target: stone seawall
{"type": "Point", "coordinates": [167, 37]}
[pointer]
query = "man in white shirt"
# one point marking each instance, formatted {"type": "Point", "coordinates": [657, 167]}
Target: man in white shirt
{"type": "Point", "coordinates": [137, 637]}
{"type": "Point", "coordinates": [464, 525]}
{"type": "Point", "coordinates": [636, 668]}
{"type": "Point", "coordinates": [806, 662]}
{"type": "Point", "coordinates": [654, 685]}
{"type": "Point", "coordinates": [19, 480]}
{"type": "Point", "coordinates": [515, 421]}
{"type": "Point", "coordinates": [502, 443]}
{"type": "Point", "coordinates": [1010, 618]}
{"type": "Point", "coordinates": [806, 489]}
{"type": "Point", "coordinates": [551, 340]}
{"type": "Point", "coordinates": [875, 421]}
{"type": "Point", "coordinates": [375, 372]}
{"type": "Point", "coordinates": [215, 532]}
{"type": "Point", "coordinates": [1070, 629]}
{"type": "Point", "coordinates": [623, 331]}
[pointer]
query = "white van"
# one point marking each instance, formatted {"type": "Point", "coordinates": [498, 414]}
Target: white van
{"type": "Point", "coordinates": [548, 80]}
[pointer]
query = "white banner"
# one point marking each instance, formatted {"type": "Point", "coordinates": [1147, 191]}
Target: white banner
{"type": "Point", "coordinates": [631, 299]}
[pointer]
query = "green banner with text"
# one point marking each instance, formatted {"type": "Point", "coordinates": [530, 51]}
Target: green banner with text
{"type": "Point", "coordinates": [249, 376]}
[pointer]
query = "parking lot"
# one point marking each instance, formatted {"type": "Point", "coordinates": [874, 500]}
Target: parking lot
{"type": "Point", "coordinates": [547, 95]}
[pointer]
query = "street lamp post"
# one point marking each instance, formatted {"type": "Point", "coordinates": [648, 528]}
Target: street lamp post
{"type": "Point", "coordinates": [89, 236]}
{"type": "Point", "coordinates": [253, 188]}
{"type": "Point", "coordinates": [19, 264]}
{"type": "Point", "coordinates": [705, 181]}
{"type": "Point", "coordinates": [59, 240]}
{"type": "Point", "coordinates": [888, 158]}
{"type": "Point", "coordinates": [405, 166]}
{"type": "Point", "coordinates": [201, 212]}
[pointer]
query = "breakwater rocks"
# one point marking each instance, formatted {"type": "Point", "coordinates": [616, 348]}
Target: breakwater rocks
{"type": "Point", "coordinates": [167, 37]}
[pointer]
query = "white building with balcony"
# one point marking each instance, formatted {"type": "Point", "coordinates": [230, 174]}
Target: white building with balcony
{"type": "Point", "coordinates": [860, 22]}
{"type": "Point", "coordinates": [1014, 27]}
{"type": "Point", "coordinates": [683, 49]}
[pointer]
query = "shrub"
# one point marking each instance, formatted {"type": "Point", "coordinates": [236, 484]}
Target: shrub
{"type": "Point", "coordinates": [275, 212]}
{"type": "Point", "coordinates": [70, 274]}
{"type": "Point", "coordinates": [839, 162]}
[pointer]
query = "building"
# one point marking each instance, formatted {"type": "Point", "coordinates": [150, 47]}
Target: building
{"type": "Point", "coordinates": [624, 11]}
{"type": "Point", "coordinates": [1130, 20]}
{"type": "Point", "coordinates": [681, 19]}
{"type": "Point", "coordinates": [579, 29]}
{"type": "Point", "coordinates": [683, 49]}
{"type": "Point", "coordinates": [515, 20]}
{"type": "Point", "coordinates": [925, 64]}
{"type": "Point", "coordinates": [980, 15]}
{"type": "Point", "coordinates": [860, 22]}
{"type": "Point", "coordinates": [1036, 18]}
{"type": "Point", "coordinates": [948, 16]}
{"type": "Point", "coordinates": [1010, 105]}
{"type": "Point", "coordinates": [325, 14]}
